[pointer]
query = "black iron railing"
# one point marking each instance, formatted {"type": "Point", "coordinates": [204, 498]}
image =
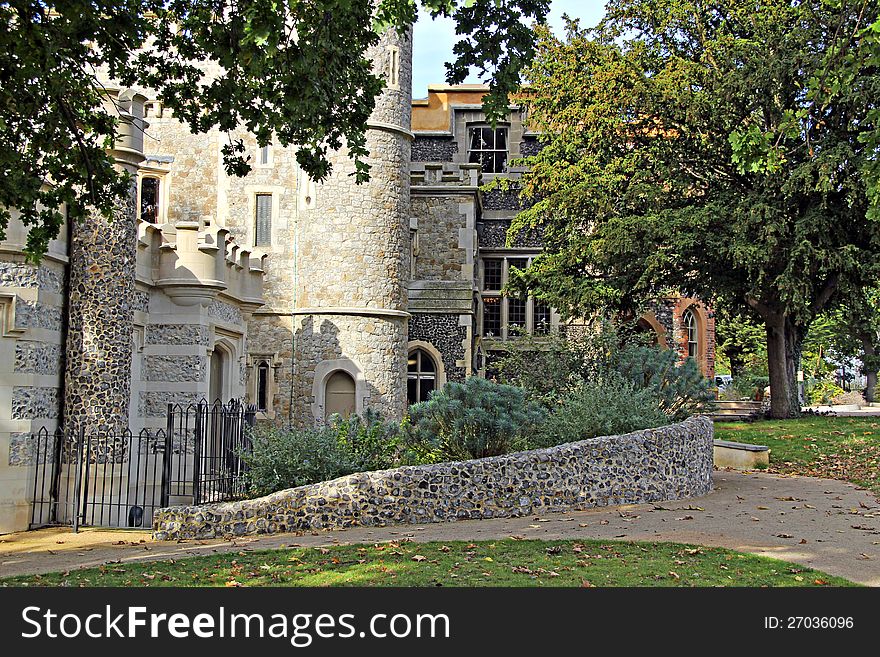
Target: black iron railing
{"type": "Point", "coordinates": [119, 480]}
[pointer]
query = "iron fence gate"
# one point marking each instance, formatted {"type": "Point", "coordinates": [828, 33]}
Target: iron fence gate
{"type": "Point", "coordinates": [120, 480]}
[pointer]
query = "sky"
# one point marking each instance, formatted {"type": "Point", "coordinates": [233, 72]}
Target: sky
{"type": "Point", "coordinates": [433, 40]}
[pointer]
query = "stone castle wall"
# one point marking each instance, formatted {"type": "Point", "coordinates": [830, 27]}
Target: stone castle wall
{"type": "Point", "coordinates": [673, 462]}
{"type": "Point", "coordinates": [31, 363]}
{"type": "Point", "coordinates": [441, 253]}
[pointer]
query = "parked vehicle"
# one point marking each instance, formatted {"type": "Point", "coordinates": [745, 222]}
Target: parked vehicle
{"type": "Point", "coordinates": [723, 380]}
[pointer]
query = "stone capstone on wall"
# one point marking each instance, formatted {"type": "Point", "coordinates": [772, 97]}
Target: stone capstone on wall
{"type": "Point", "coordinates": [672, 462]}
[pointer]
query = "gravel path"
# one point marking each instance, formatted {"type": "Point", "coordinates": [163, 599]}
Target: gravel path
{"type": "Point", "coordinates": [825, 524]}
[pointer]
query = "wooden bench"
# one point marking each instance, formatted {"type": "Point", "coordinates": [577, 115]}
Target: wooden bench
{"type": "Point", "coordinates": [736, 410]}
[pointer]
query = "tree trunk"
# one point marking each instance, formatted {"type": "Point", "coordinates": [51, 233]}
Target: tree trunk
{"type": "Point", "coordinates": [737, 361]}
{"type": "Point", "coordinates": [780, 394]}
{"type": "Point", "coordinates": [869, 358]}
{"type": "Point", "coordinates": [794, 341]}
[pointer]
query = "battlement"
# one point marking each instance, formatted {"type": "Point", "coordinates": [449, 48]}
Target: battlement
{"type": "Point", "coordinates": [194, 261]}
{"type": "Point", "coordinates": [431, 174]}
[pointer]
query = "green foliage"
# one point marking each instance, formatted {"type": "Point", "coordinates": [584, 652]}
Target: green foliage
{"type": "Point", "coordinates": [679, 390]}
{"type": "Point", "coordinates": [371, 441]}
{"type": "Point", "coordinates": [552, 368]}
{"type": "Point", "coordinates": [607, 406]}
{"type": "Point", "coordinates": [823, 392]}
{"type": "Point", "coordinates": [284, 70]}
{"type": "Point", "coordinates": [740, 338]}
{"type": "Point", "coordinates": [749, 385]}
{"type": "Point", "coordinates": [474, 419]}
{"type": "Point", "coordinates": [682, 147]}
{"type": "Point", "coordinates": [549, 366]}
{"type": "Point", "coordinates": [286, 458]}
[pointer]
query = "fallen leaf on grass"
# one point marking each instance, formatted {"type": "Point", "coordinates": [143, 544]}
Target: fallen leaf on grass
{"type": "Point", "coordinates": [419, 557]}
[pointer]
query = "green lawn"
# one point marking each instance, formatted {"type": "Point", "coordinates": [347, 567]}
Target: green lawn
{"type": "Point", "coordinates": [846, 448]}
{"type": "Point", "coordinates": [506, 562]}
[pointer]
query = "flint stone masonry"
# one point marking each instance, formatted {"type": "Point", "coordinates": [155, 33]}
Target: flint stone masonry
{"type": "Point", "coordinates": [188, 334]}
{"type": "Point", "coordinates": [21, 449]}
{"type": "Point", "coordinates": [33, 314]}
{"type": "Point", "coordinates": [434, 149]}
{"type": "Point", "coordinates": [103, 255]}
{"type": "Point", "coordinates": [33, 403]}
{"type": "Point", "coordinates": [49, 277]}
{"type": "Point", "coordinates": [672, 462]}
{"type": "Point", "coordinates": [530, 146]}
{"type": "Point", "coordinates": [141, 301]}
{"type": "Point", "coordinates": [155, 404]}
{"type": "Point", "coordinates": [37, 357]}
{"type": "Point", "coordinates": [493, 235]}
{"type": "Point", "coordinates": [444, 333]}
{"type": "Point", "coordinates": [225, 313]}
{"type": "Point", "coordinates": [174, 368]}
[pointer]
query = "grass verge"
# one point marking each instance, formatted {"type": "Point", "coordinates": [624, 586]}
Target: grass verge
{"type": "Point", "coordinates": [845, 448]}
{"type": "Point", "coordinates": [508, 562]}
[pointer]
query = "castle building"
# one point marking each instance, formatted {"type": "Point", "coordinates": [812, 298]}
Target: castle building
{"type": "Point", "coordinates": [305, 299]}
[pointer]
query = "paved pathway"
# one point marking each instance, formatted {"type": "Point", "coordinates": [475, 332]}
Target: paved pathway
{"type": "Point", "coordinates": [826, 524]}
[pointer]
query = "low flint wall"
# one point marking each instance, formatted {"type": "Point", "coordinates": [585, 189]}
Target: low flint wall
{"type": "Point", "coordinates": [666, 463]}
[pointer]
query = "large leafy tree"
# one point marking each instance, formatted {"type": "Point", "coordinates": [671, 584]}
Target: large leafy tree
{"type": "Point", "coordinates": [718, 148]}
{"type": "Point", "coordinates": [292, 70]}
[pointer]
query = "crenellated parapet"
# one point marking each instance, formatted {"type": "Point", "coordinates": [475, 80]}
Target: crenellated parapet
{"type": "Point", "coordinates": [444, 174]}
{"type": "Point", "coordinates": [193, 262]}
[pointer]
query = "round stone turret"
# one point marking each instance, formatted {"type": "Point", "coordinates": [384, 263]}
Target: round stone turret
{"type": "Point", "coordinates": [352, 245]}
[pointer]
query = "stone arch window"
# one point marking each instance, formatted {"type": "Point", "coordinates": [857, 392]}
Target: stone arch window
{"type": "Point", "coordinates": [692, 331]}
{"type": "Point", "coordinates": [150, 195]}
{"type": "Point", "coordinates": [339, 394]}
{"type": "Point", "coordinates": [421, 376]}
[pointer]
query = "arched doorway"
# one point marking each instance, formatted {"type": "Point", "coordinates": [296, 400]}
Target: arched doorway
{"type": "Point", "coordinates": [339, 395]}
